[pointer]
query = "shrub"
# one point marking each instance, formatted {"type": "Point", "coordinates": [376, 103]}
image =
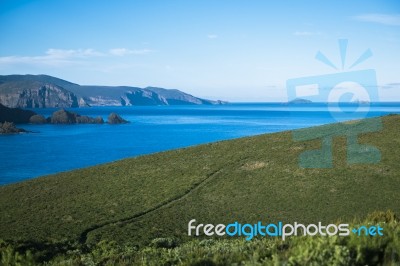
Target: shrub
{"type": "Point", "coordinates": [168, 242]}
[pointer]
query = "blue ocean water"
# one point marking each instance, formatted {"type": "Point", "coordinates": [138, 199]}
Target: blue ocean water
{"type": "Point", "coordinates": [57, 148]}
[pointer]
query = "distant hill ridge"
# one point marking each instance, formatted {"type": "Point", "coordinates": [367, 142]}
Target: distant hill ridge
{"type": "Point", "coordinates": [42, 91]}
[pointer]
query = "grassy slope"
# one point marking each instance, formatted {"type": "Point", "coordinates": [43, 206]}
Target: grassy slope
{"type": "Point", "coordinates": [248, 179]}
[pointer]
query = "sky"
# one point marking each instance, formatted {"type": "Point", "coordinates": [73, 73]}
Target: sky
{"type": "Point", "coordinates": [232, 50]}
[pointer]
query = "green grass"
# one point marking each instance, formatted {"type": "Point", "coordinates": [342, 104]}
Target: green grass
{"type": "Point", "coordinates": [249, 179]}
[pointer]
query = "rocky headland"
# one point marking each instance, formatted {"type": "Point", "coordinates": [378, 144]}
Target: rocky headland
{"type": "Point", "coordinates": [43, 91]}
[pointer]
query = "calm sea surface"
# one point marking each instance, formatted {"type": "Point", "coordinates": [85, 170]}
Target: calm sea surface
{"type": "Point", "coordinates": [57, 148]}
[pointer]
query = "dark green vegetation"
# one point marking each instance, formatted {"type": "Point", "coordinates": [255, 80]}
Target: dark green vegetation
{"type": "Point", "coordinates": [15, 115]}
{"type": "Point", "coordinates": [319, 251]}
{"type": "Point", "coordinates": [134, 201]}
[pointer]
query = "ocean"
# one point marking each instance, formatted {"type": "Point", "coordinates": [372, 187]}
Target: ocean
{"type": "Point", "coordinates": [56, 148]}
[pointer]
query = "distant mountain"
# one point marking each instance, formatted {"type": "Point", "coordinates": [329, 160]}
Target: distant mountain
{"type": "Point", "coordinates": [299, 100]}
{"type": "Point", "coordinates": [177, 97]}
{"type": "Point", "coordinates": [40, 91]}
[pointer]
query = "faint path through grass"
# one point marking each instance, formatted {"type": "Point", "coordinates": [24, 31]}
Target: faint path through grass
{"type": "Point", "coordinates": [84, 235]}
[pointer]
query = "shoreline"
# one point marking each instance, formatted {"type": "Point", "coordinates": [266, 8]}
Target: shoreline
{"type": "Point", "coordinates": [183, 148]}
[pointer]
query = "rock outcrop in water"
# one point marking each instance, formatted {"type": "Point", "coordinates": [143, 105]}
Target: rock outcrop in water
{"type": "Point", "coordinates": [10, 128]}
{"type": "Point", "coordinates": [89, 120]}
{"type": "Point", "coordinates": [65, 117]}
{"type": "Point", "coordinates": [114, 119]}
{"type": "Point", "coordinates": [62, 116]}
{"type": "Point", "coordinates": [37, 119]}
{"type": "Point", "coordinates": [299, 100]}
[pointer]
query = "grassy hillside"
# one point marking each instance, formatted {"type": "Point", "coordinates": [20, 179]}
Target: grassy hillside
{"type": "Point", "coordinates": [248, 179]}
{"type": "Point", "coordinates": [317, 250]}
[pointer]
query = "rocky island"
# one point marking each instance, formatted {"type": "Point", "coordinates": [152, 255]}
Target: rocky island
{"type": "Point", "coordinates": [114, 119]}
{"type": "Point", "coordinates": [65, 117]}
{"type": "Point", "coordinates": [11, 116]}
{"type": "Point", "coordinates": [10, 128]}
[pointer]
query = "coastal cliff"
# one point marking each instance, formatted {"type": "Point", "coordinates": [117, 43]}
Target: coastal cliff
{"type": "Point", "coordinates": [43, 91]}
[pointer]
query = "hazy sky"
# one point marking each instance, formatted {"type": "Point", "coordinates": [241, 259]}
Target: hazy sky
{"type": "Point", "coordinates": [230, 50]}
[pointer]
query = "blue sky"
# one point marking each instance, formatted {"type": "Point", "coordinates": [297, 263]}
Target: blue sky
{"type": "Point", "coordinates": [230, 50]}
